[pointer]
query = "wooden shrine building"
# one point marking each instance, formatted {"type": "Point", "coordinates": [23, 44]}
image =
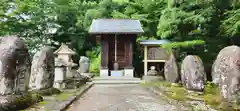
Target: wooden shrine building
{"type": "Point", "coordinates": [117, 38]}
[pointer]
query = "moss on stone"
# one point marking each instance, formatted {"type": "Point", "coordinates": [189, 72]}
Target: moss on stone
{"type": "Point", "coordinates": [21, 101]}
{"type": "Point", "coordinates": [72, 83]}
{"type": "Point", "coordinates": [43, 103]}
{"type": "Point", "coordinates": [64, 96]}
{"type": "Point", "coordinates": [210, 96]}
{"type": "Point", "coordinates": [48, 92]}
{"type": "Point", "coordinates": [28, 99]}
{"type": "Point", "coordinates": [177, 93]}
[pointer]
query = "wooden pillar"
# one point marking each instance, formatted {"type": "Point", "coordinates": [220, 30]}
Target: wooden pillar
{"type": "Point", "coordinates": [129, 54]}
{"type": "Point", "coordinates": [145, 61]}
{"type": "Point", "coordinates": [104, 53]}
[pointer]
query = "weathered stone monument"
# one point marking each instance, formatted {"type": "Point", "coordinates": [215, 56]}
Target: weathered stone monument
{"type": "Point", "coordinates": [14, 65]}
{"type": "Point", "coordinates": [171, 73]}
{"type": "Point", "coordinates": [65, 53]}
{"type": "Point", "coordinates": [193, 74]}
{"type": "Point", "coordinates": [84, 64]}
{"type": "Point", "coordinates": [14, 73]}
{"type": "Point", "coordinates": [226, 73]}
{"type": "Point", "coordinates": [60, 73]}
{"type": "Point", "coordinates": [42, 70]}
{"type": "Point", "coordinates": [84, 67]}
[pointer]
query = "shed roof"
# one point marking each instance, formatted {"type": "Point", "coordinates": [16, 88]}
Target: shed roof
{"type": "Point", "coordinates": [154, 42]}
{"type": "Point", "coordinates": [115, 26]}
{"type": "Point", "coordinates": [63, 49]}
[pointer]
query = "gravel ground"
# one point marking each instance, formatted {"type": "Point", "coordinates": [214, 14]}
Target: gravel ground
{"type": "Point", "coordinates": [120, 98]}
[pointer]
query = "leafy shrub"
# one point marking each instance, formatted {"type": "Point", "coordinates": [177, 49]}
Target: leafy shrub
{"type": "Point", "coordinates": [95, 58]}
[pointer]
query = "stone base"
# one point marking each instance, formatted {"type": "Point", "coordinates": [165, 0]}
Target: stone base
{"type": "Point", "coordinates": [69, 73]}
{"type": "Point", "coordinates": [117, 73]}
{"type": "Point", "coordinates": [152, 78]}
{"type": "Point", "coordinates": [59, 85]}
{"type": "Point", "coordinates": [103, 72]}
{"type": "Point", "coordinates": [129, 72]}
{"type": "Point", "coordinates": [86, 75]}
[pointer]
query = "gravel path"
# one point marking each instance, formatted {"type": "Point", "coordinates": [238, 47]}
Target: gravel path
{"type": "Point", "coordinates": [120, 98]}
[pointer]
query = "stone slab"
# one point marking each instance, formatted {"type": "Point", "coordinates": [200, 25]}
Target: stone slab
{"type": "Point", "coordinates": [152, 78]}
{"type": "Point", "coordinates": [117, 80]}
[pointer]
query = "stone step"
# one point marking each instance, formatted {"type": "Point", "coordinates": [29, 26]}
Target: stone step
{"type": "Point", "coordinates": [124, 78]}
{"type": "Point", "coordinates": [117, 82]}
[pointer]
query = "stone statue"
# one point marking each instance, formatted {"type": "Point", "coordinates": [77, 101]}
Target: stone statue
{"type": "Point", "coordinates": [152, 71]}
{"type": "Point", "coordinates": [115, 66]}
{"type": "Point", "coordinates": [84, 65]}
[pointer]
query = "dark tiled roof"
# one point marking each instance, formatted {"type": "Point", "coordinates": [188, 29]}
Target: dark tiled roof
{"type": "Point", "coordinates": [154, 42]}
{"type": "Point", "coordinates": [127, 26]}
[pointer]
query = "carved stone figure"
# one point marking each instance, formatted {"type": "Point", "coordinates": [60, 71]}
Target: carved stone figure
{"type": "Point", "coordinates": [226, 73]}
{"type": "Point", "coordinates": [14, 65]}
{"type": "Point", "coordinates": [193, 74]}
{"type": "Point", "coordinates": [171, 73]}
{"type": "Point", "coordinates": [42, 70]}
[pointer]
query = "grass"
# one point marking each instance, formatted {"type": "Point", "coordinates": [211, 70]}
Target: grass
{"type": "Point", "coordinates": [174, 92]}
{"type": "Point", "coordinates": [42, 103]}
{"type": "Point", "coordinates": [211, 95]}
{"type": "Point", "coordinates": [64, 96]}
{"type": "Point", "coordinates": [177, 93]}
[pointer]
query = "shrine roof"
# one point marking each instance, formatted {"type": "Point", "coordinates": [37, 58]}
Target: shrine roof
{"type": "Point", "coordinates": [63, 49]}
{"type": "Point", "coordinates": [154, 42]}
{"type": "Point", "coordinates": [115, 26]}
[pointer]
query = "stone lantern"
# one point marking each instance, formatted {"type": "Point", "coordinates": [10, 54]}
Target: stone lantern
{"type": "Point", "coordinates": [65, 53]}
{"type": "Point", "coordinates": [60, 73]}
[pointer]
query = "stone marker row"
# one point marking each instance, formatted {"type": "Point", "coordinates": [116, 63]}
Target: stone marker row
{"type": "Point", "coordinates": [225, 73]}
{"type": "Point", "coordinates": [19, 75]}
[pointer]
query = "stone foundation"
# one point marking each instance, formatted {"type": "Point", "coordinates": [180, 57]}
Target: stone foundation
{"type": "Point", "coordinates": [152, 78]}
{"type": "Point", "coordinates": [59, 85]}
{"type": "Point", "coordinates": [103, 72]}
{"type": "Point", "coordinates": [129, 72]}
{"type": "Point", "coordinates": [117, 73]}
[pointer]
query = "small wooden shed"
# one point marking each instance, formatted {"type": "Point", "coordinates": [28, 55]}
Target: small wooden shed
{"type": "Point", "coordinates": [117, 38]}
{"type": "Point", "coordinates": [154, 55]}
